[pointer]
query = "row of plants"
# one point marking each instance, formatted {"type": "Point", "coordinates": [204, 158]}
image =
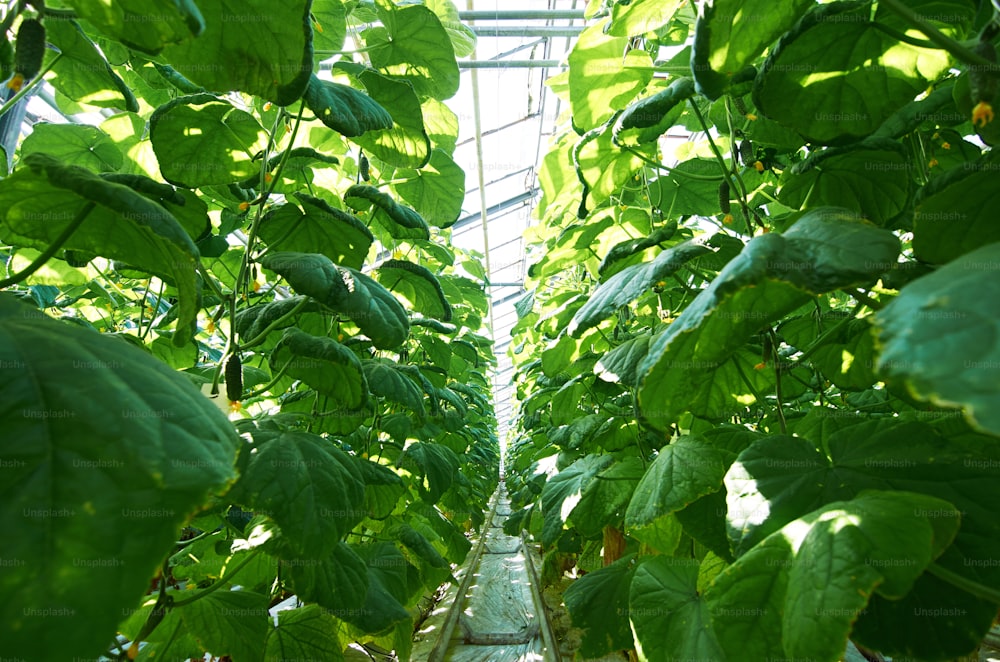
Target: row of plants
{"type": "Point", "coordinates": [241, 360]}
{"type": "Point", "coordinates": [757, 388]}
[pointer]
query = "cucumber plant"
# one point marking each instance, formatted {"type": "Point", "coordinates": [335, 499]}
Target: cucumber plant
{"type": "Point", "coordinates": [743, 436]}
{"type": "Point", "coordinates": [232, 375]}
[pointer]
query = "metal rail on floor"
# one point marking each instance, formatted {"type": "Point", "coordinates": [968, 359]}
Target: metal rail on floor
{"type": "Point", "coordinates": [445, 639]}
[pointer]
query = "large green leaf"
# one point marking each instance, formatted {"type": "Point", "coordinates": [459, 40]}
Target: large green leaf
{"type": "Point", "coordinates": [835, 53]}
{"type": "Point", "coordinates": [630, 283]}
{"type": "Point", "coordinates": [324, 364]}
{"type": "Point", "coordinates": [387, 380]}
{"type": "Point", "coordinates": [941, 339]}
{"type": "Point", "coordinates": [201, 140]}
{"type": "Point", "coordinates": [957, 214]}
{"type": "Point", "coordinates": [599, 82]}
{"type": "Point", "coordinates": [406, 144]}
{"type": "Point", "coordinates": [413, 44]}
{"type": "Point", "coordinates": [336, 580]}
{"type": "Point", "coordinates": [400, 221]}
{"type": "Point", "coordinates": [81, 72]}
{"type": "Point", "coordinates": [604, 500]}
{"type": "Point", "coordinates": [598, 603]}
{"type": "Point", "coordinates": [874, 182]}
{"type": "Point", "coordinates": [685, 470]}
{"type": "Point", "coordinates": [372, 307]}
{"type": "Point", "coordinates": [670, 619]}
{"type": "Point", "coordinates": [315, 226]}
{"type": "Point", "coordinates": [344, 109]}
{"type": "Point", "coordinates": [74, 144]}
{"type": "Point", "coordinates": [436, 464]}
{"type": "Point", "coordinates": [93, 495]}
{"type": "Point", "coordinates": [436, 191]}
{"type": "Point", "coordinates": [641, 16]}
{"type": "Point", "coordinates": [463, 39]}
{"type": "Point", "coordinates": [563, 491]}
{"type": "Point", "coordinates": [826, 249]}
{"type": "Point", "coordinates": [233, 623]}
{"type": "Point", "coordinates": [306, 633]}
{"type": "Point", "coordinates": [142, 26]}
{"type": "Point", "coordinates": [40, 200]}
{"type": "Point", "coordinates": [387, 589]}
{"type": "Point", "coordinates": [780, 478]}
{"type": "Point", "coordinates": [417, 285]}
{"type": "Point", "coordinates": [819, 571]}
{"type": "Point", "coordinates": [306, 485]}
{"type": "Point", "coordinates": [255, 46]}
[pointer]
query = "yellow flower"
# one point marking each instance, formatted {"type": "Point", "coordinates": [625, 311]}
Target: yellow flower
{"type": "Point", "coordinates": [244, 205]}
{"type": "Point", "coordinates": [210, 327]}
{"type": "Point", "coordinates": [932, 163]}
{"type": "Point", "coordinates": [982, 114]}
{"type": "Point", "coordinates": [758, 166]}
{"type": "Point", "coordinates": [16, 83]}
{"type": "Point", "coordinates": [727, 219]}
{"type": "Point", "coordinates": [760, 366]}
{"type": "Point", "coordinates": [319, 28]}
{"type": "Point", "coordinates": [750, 116]}
{"type": "Point", "coordinates": [945, 145]}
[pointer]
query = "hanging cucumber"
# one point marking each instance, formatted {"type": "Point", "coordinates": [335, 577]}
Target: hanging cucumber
{"type": "Point", "coordinates": [29, 52]}
{"type": "Point", "coordinates": [234, 377]}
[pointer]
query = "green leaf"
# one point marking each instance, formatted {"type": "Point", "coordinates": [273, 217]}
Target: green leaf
{"type": "Point", "coordinates": [305, 633]}
{"type": "Point", "coordinates": [387, 380]}
{"type": "Point", "coordinates": [599, 82]}
{"type": "Point", "coordinates": [412, 44]}
{"type": "Point", "coordinates": [399, 220]}
{"type": "Point", "coordinates": [383, 487]}
{"type": "Point", "coordinates": [622, 364]}
{"type": "Point", "coordinates": [956, 215]}
{"type": "Point", "coordinates": [139, 26]}
{"type": "Point", "coordinates": [201, 140]}
{"type": "Point", "coordinates": [828, 564]}
{"type": "Point", "coordinates": [344, 109]}
{"type": "Point", "coordinates": [406, 144]}
{"type": "Point", "coordinates": [684, 471]}
{"type": "Point", "coordinates": [604, 499]}
{"type": "Point", "coordinates": [372, 307]}
{"type": "Point", "coordinates": [939, 339]}
{"type": "Point", "coordinates": [835, 53]}
{"type": "Point", "coordinates": [437, 464]}
{"type": "Point", "coordinates": [669, 617]}
{"type": "Point", "coordinates": [324, 364]}
{"type": "Point", "coordinates": [598, 603]}
{"type": "Point", "coordinates": [74, 144]}
{"type": "Point", "coordinates": [630, 283]}
{"type": "Point", "coordinates": [563, 491]}
{"type": "Point", "coordinates": [463, 39]}
{"type": "Point", "coordinates": [233, 623]}
{"type": "Point", "coordinates": [306, 485]}
{"type": "Point", "coordinates": [417, 286]}
{"type": "Point", "coordinates": [336, 580]}
{"type": "Point", "coordinates": [649, 118]}
{"type": "Point", "coordinates": [42, 198]}
{"type": "Point", "coordinates": [436, 191]}
{"type": "Point", "coordinates": [93, 496]}
{"type": "Point", "coordinates": [680, 195]}
{"type": "Point", "coordinates": [827, 248]}
{"type": "Point", "coordinates": [872, 182]}
{"type": "Point", "coordinates": [255, 46]}
{"type": "Point", "coordinates": [730, 34]}
{"type": "Point", "coordinates": [641, 16]}
{"type": "Point", "coordinates": [329, 26]}
{"type": "Point", "coordinates": [387, 589]}
{"type": "Point", "coordinates": [315, 226]}
{"type": "Point", "coordinates": [82, 73]}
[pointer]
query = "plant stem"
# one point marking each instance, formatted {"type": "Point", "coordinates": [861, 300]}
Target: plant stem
{"type": "Point", "coordinates": [968, 585]}
{"type": "Point", "coordinates": [718, 155]}
{"type": "Point", "coordinates": [937, 37]}
{"type": "Point", "coordinates": [222, 581]}
{"type": "Point", "coordinates": [44, 256]}
{"type": "Point", "coordinates": [25, 89]}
